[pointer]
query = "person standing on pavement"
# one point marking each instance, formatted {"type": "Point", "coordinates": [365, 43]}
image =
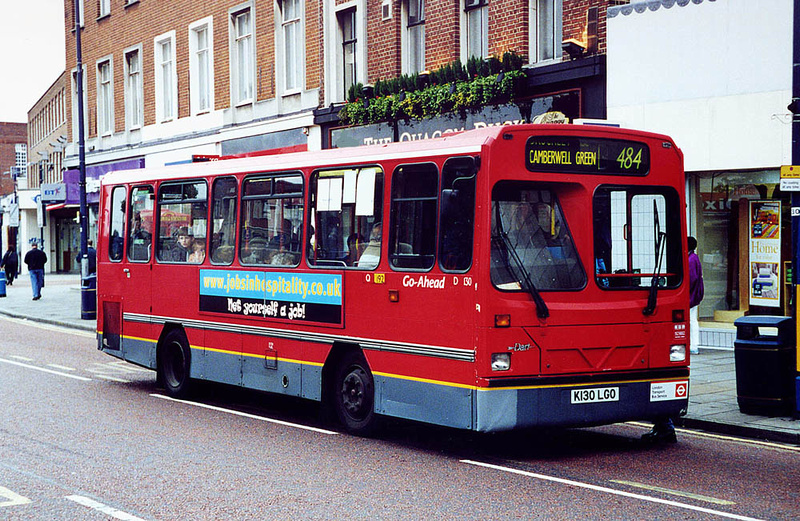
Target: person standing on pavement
{"type": "Point", "coordinates": [10, 263]}
{"type": "Point", "coordinates": [695, 295]}
{"type": "Point", "coordinates": [36, 259]}
{"type": "Point", "coordinates": [91, 254]}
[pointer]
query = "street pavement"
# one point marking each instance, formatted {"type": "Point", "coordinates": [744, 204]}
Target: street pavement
{"type": "Point", "coordinates": [712, 398]}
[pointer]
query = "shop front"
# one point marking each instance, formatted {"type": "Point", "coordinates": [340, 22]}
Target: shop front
{"type": "Point", "coordinates": [66, 215]}
{"type": "Point", "coordinates": [742, 226]}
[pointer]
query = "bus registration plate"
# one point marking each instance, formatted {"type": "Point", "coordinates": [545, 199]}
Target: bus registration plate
{"type": "Point", "coordinates": [596, 395]}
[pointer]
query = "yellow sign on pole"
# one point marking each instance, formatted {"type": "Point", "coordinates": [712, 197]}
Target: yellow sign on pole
{"type": "Point", "coordinates": [790, 172]}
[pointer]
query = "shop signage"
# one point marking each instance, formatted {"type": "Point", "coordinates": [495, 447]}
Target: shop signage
{"type": "Point", "coordinates": [567, 102]}
{"type": "Point", "coordinates": [765, 253]}
{"type": "Point", "coordinates": [54, 192]}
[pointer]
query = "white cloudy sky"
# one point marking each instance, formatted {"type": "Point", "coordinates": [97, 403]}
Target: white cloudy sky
{"type": "Point", "coordinates": [31, 53]}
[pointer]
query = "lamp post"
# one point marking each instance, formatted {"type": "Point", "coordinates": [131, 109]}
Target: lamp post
{"type": "Point", "coordinates": [86, 313]}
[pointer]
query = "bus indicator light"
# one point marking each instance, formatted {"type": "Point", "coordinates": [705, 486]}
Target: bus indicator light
{"type": "Point", "coordinates": [394, 295]}
{"type": "Point", "coordinates": [502, 321]}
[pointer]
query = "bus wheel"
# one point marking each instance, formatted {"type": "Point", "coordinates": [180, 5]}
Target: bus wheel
{"type": "Point", "coordinates": [354, 394]}
{"type": "Point", "coordinates": [173, 363]}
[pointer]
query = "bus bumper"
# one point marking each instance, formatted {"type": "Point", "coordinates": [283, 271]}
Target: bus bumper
{"type": "Point", "coordinates": [580, 405]}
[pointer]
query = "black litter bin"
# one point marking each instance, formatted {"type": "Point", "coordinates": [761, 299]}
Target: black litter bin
{"type": "Point", "coordinates": [765, 364]}
{"type": "Point", "coordinates": [89, 297]}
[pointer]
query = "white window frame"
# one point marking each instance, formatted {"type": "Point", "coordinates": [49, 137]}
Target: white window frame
{"type": "Point", "coordinates": [134, 94]}
{"type": "Point", "coordinates": [406, 39]}
{"type": "Point", "coordinates": [467, 37]}
{"type": "Point", "coordinates": [290, 80]}
{"type": "Point", "coordinates": [104, 8]}
{"type": "Point", "coordinates": [105, 96]}
{"type": "Point", "coordinates": [242, 75]}
{"type": "Point", "coordinates": [534, 36]}
{"type": "Point", "coordinates": [341, 58]}
{"type": "Point", "coordinates": [166, 78]}
{"type": "Point", "coordinates": [196, 67]}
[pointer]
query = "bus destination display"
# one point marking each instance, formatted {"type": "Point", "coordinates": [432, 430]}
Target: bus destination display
{"type": "Point", "coordinates": [581, 155]}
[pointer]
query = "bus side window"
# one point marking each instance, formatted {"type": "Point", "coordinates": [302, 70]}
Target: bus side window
{"type": "Point", "coordinates": [412, 233]}
{"type": "Point", "coordinates": [345, 228]}
{"type": "Point", "coordinates": [182, 217]}
{"type": "Point", "coordinates": [457, 214]}
{"type": "Point", "coordinates": [223, 220]}
{"type": "Point", "coordinates": [141, 224]}
{"type": "Point", "coordinates": [272, 217]}
{"type": "Point", "coordinates": [116, 233]}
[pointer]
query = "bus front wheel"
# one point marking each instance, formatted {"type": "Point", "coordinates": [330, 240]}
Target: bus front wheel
{"type": "Point", "coordinates": [354, 394]}
{"type": "Point", "coordinates": [173, 364]}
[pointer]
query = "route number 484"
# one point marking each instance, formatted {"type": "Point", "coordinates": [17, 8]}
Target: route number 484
{"type": "Point", "coordinates": [628, 157]}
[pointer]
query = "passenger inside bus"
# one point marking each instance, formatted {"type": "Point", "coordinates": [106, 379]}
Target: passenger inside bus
{"type": "Point", "coordinates": [372, 253]}
{"type": "Point", "coordinates": [183, 243]}
{"type": "Point", "coordinates": [141, 238]}
{"type": "Point", "coordinates": [285, 245]}
{"type": "Point", "coordinates": [198, 251]}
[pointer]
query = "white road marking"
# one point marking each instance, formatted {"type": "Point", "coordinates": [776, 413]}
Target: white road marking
{"type": "Point", "coordinates": [113, 379]}
{"type": "Point", "coordinates": [246, 415]}
{"type": "Point", "coordinates": [23, 358]}
{"type": "Point", "coordinates": [607, 490]}
{"type": "Point", "coordinates": [100, 507]}
{"type": "Point", "coordinates": [62, 367]}
{"type": "Point", "coordinates": [699, 497]}
{"type": "Point", "coordinates": [42, 369]}
{"type": "Point", "coordinates": [12, 498]}
{"type": "Point", "coordinates": [743, 441]}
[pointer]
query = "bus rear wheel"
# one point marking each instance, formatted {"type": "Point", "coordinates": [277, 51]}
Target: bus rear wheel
{"type": "Point", "coordinates": [354, 394]}
{"type": "Point", "coordinates": [174, 360]}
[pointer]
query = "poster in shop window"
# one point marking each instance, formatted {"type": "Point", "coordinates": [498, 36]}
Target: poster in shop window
{"type": "Point", "coordinates": [765, 253]}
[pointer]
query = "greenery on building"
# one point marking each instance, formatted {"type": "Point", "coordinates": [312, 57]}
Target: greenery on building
{"type": "Point", "coordinates": [453, 87]}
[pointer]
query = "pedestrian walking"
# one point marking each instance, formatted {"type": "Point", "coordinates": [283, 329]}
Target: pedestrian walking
{"type": "Point", "coordinates": [36, 259]}
{"type": "Point", "coordinates": [10, 263]}
{"type": "Point", "coordinates": [696, 291]}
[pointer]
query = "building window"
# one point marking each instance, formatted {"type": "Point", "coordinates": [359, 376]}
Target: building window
{"type": "Point", "coordinates": [415, 36]}
{"type": "Point", "coordinates": [104, 8]}
{"type": "Point", "coordinates": [105, 99]}
{"type": "Point", "coordinates": [200, 67]}
{"type": "Point", "coordinates": [545, 30]}
{"type": "Point", "coordinates": [242, 61]}
{"type": "Point", "coordinates": [292, 44]}
{"type": "Point", "coordinates": [477, 28]}
{"type": "Point", "coordinates": [347, 28]}
{"type": "Point", "coordinates": [166, 81]}
{"type": "Point", "coordinates": [133, 89]}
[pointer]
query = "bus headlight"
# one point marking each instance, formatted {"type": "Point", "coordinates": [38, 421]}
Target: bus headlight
{"type": "Point", "coordinates": [501, 361]}
{"type": "Point", "coordinates": [677, 353]}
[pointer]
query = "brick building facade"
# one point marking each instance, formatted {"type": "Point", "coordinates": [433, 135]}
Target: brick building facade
{"type": "Point", "coordinates": [198, 75]}
{"type": "Point", "coordinates": [12, 135]}
{"type": "Point", "coordinates": [164, 82]}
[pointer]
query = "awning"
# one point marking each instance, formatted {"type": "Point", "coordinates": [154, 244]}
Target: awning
{"type": "Point", "coordinates": [59, 206]}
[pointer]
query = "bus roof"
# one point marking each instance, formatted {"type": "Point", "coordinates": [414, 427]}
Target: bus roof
{"type": "Point", "coordinates": [457, 143]}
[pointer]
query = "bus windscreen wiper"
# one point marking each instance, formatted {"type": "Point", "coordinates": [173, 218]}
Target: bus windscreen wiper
{"type": "Point", "coordinates": [652, 297]}
{"type": "Point", "coordinates": [525, 280]}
